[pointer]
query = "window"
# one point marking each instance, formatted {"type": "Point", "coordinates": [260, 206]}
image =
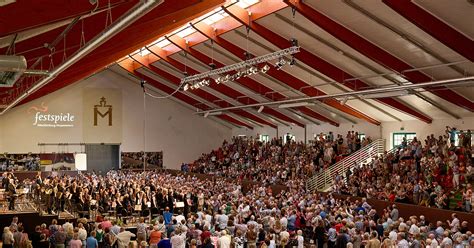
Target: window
{"type": "Point", "coordinates": [456, 138]}
{"type": "Point", "coordinates": [398, 138]}
{"type": "Point", "coordinates": [288, 137]}
{"type": "Point", "coordinates": [317, 136]}
{"type": "Point", "coordinates": [264, 138]}
{"type": "Point", "coordinates": [245, 3]}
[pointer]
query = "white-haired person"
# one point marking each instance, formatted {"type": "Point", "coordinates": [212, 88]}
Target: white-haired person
{"type": "Point", "coordinates": [224, 240]}
{"type": "Point", "coordinates": [300, 239]}
{"type": "Point", "coordinates": [7, 238]}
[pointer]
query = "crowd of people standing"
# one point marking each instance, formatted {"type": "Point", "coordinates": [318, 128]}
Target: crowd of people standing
{"type": "Point", "coordinates": [276, 161]}
{"type": "Point", "coordinates": [217, 213]}
{"type": "Point", "coordinates": [428, 173]}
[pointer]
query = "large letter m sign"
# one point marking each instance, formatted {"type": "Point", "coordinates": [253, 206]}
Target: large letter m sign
{"type": "Point", "coordinates": [108, 112]}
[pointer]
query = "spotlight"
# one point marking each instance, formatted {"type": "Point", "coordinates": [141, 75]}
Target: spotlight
{"type": "Point", "coordinates": [226, 78]}
{"type": "Point", "coordinates": [212, 65]}
{"type": "Point", "coordinates": [265, 68]}
{"type": "Point", "coordinates": [186, 87]}
{"type": "Point", "coordinates": [206, 114]}
{"type": "Point", "coordinates": [281, 62]}
{"type": "Point", "coordinates": [238, 75]}
{"type": "Point", "coordinates": [253, 70]}
{"type": "Point", "coordinates": [260, 109]}
{"type": "Point", "coordinates": [218, 80]}
{"type": "Point", "coordinates": [294, 42]}
{"type": "Point", "coordinates": [247, 55]}
{"type": "Point", "coordinates": [185, 74]}
{"type": "Point", "coordinates": [292, 61]}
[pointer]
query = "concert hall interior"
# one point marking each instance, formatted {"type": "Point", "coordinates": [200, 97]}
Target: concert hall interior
{"type": "Point", "coordinates": [236, 123]}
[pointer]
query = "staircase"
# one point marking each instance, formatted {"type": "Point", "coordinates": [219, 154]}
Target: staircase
{"type": "Point", "coordinates": [323, 181]}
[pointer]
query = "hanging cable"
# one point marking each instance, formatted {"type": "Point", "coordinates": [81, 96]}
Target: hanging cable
{"type": "Point", "coordinates": [185, 63]}
{"type": "Point", "coordinates": [142, 83]}
{"type": "Point", "coordinates": [293, 40]}
{"type": "Point", "coordinates": [51, 62]}
{"type": "Point", "coordinates": [108, 17]}
{"type": "Point", "coordinates": [163, 97]}
{"type": "Point", "coordinates": [293, 12]}
{"type": "Point", "coordinates": [212, 51]}
{"type": "Point", "coordinates": [96, 7]}
{"type": "Point", "coordinates": [64, 48]}
{"type": "Point", "coordinates": [82, 42]}
{"type": "Point", "coordinates": [247, 54]}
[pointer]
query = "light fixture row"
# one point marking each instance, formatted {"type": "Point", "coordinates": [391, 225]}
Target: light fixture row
{"type": "Point", "coordinates": [244, 65]}
{"type": "Point", "coordinates": [258, 65]}
{"type": "Point", "coordinates": [227, 78]}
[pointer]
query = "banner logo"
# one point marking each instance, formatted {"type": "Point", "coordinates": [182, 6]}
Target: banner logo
{"type": "Point", "coordinates": [43, 119]}
{"type": "Point", "coordinates": [43, 108]}
{"type": "Point", "coordinates": [103, 105]}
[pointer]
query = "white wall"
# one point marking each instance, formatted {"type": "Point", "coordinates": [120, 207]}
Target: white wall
{"type": "Point", "coordinates": [385, 130]}
{"type": "Point", "coordinates": [366, 128]}
{"type": "Point", "coordinates": [171, 127]}
{"type": "Point", "coordinates": [423, 129]}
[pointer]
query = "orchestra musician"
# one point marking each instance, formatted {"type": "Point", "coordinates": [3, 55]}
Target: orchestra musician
{"type": "Point", "coordinates": [12, 194]}
{"type": "Point", "coordinates": [47, 196]}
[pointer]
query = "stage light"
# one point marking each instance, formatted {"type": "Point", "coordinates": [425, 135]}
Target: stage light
{"type": "Point", "coordinates": [281, 62]}
{"type": "Point", "coordinates": [292, 61]}
{"type": "Point", "coordinates": [261, 109]}
{"type": "Point", "coordinates": [238, 75]}
{"type": "Point", "coordinates": [294, 42]}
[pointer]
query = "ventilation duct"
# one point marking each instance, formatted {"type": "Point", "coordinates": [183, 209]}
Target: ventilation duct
{"type": "Point", "coordinates": [117, 26]}
{"type": "Point", "coordinates": [11, 68]}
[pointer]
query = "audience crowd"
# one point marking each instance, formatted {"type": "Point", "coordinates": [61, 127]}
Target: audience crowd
{"type": "Point", "coordinates": [19, 162]}
{"type": "Point", "coordinates": [430, 173]}
{"type": "Point", "coordinates": [184, 211]}
{"type": "Point", "coordinates": [153, 159]}
{"type": "Point", "coordinates": [217, 213]}
{"type": "Point", "coordinates": [276, 161]}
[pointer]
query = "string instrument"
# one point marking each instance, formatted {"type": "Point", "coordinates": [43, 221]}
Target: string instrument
{"type": "Point", "coordinates": [48, 191]}
{"type": "Point", "coordinates": [68, 195]}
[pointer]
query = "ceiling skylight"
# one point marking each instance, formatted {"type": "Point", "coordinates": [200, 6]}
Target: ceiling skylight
{"type": "Point", "coordinates": [245, 3]}
{"type": "Point", "coordinates": [186, 30]}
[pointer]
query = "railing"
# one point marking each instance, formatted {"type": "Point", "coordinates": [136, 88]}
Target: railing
{"type": "Point", "coordinates": [323, 181]}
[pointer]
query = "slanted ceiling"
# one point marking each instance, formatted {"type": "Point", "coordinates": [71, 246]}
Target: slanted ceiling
{"type": "Point", "coordinates": [345, 46]}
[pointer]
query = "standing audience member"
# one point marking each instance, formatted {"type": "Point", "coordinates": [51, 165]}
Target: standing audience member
{"type": "Point", "coordinates": [7, 238]}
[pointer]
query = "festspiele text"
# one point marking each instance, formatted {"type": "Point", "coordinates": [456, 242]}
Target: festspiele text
{"type": "Point", "coordinates": [52, 118]}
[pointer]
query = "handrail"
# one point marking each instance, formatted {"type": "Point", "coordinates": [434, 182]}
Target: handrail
{"type": "Point", "coordinates": [324, 180]}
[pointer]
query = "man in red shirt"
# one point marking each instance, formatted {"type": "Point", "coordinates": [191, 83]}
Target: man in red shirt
{"type": "Point", "coordinates": [205, 234]}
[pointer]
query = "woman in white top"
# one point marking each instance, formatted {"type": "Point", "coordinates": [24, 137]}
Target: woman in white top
{"type": "Point", "coordinates": [7, 238]}
{"type": "Point", "coordinates": [300, 239]}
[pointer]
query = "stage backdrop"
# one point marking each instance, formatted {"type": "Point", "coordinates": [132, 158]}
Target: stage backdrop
{"type": "Point", "coordinates": [102, 115]}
